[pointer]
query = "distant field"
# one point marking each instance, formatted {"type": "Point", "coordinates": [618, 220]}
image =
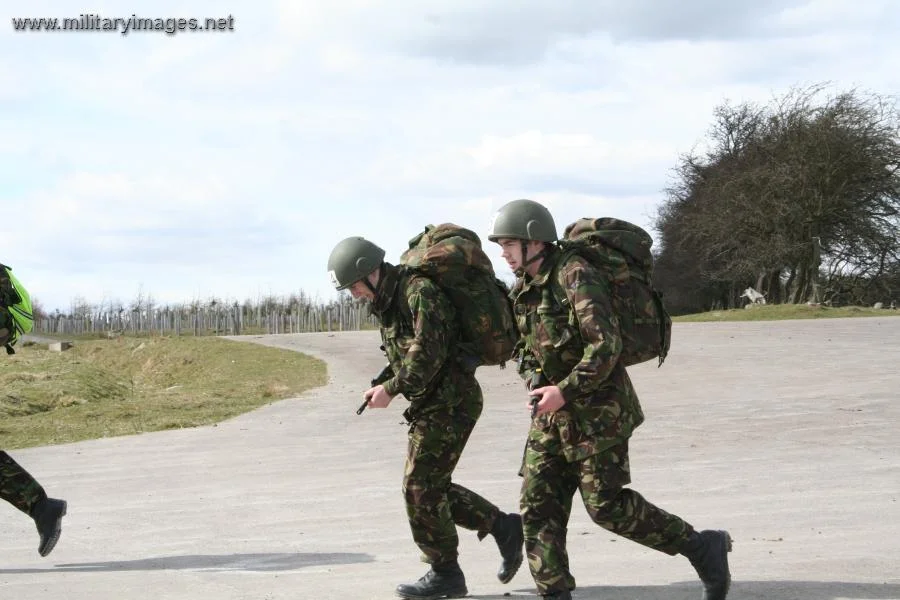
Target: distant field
{"type": "Point", "coordinates": [104, 388]}
{"type": "Point", "coordinates": [776, 312]}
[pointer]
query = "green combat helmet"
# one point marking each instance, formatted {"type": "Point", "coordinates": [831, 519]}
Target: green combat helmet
{"type": "Point", "coordinates": [352, 259]}
{"type": "Point", "coordinates": [523, 220]}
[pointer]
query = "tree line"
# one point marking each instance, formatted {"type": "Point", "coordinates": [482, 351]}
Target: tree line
{"type": "Point", "coordinates": [798, 198]}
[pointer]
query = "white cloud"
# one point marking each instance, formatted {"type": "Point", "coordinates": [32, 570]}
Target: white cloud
{"type": "Point", "coordinates": [567, 153]}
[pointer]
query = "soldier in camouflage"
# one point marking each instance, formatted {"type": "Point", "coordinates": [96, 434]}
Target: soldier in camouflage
{"type": "Point", "coordinates": [17, 486]}
{"type": "Point", "coordinates": [585, 413]}
{"type": "Point", "coordinates": [419, 330]}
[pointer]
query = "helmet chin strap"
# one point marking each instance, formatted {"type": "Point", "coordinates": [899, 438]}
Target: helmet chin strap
{"type": "Point", "coordinates": [527, 261]}
{"type": "Point", "coordinates": [368, 283]}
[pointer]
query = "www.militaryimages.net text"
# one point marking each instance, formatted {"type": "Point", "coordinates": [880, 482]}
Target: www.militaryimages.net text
{"type": "Point", "coordinates": [98, 23]}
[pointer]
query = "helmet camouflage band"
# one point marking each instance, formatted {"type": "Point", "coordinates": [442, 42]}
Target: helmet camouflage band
{"type": "Point", "coordinates": [352, 259]}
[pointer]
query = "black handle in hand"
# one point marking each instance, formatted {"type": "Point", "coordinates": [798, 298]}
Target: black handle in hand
{"type": "Point", "coordinates": [536, 379]}
{"type": "Point", "coordinates": [386, 374]}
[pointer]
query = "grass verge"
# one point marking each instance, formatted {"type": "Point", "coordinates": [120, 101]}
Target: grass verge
{"type": "Point", "coordinates": [127, 385]}
{"type": "Point", "coordinates": [780, 312]}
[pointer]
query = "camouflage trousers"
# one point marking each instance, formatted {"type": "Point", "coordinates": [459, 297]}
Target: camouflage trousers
{"type": "Point", "coordinates": [548, 486]}
{"type": "Point", "coordinates": [17, 486]}
{"type": "Point", "coordinates": [434, 504]}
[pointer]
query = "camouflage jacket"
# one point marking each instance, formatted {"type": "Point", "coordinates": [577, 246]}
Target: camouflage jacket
{"type": "Point", "coordinates": [420, 332]}
{"type": "Point", "coordinates": [576, 346]}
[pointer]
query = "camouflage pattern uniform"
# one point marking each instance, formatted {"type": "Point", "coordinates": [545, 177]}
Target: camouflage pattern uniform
{"type": "Point", "coordinates": [584, 445]}
{"type": "Point", "coordinates": [17, 486]}
{"type": "Point", "coordinates": [21, 490]}
{"type": "Point", "coordinates": [418, 330]}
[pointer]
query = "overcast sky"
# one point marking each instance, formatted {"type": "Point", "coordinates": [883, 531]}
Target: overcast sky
{"type": "Point", "coordinates": [228, 164]}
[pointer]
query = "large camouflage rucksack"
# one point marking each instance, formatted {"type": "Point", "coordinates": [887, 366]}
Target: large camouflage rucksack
{"type": "Point", "coordinates": [621, 250]}
{"type": "Point", "coordinates": [452, 257]}
{"type": "Point", "coordinates": [16, 318]}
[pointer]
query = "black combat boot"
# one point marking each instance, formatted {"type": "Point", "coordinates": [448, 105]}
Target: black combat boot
{"type": "Point", "coordinates": [563, 595]}
{"type": "Point", "coordinates": [442, 581]}
{"type": "Point", "coordinates": [708, 552]}
{"type": "Point", "coordinates": [507, 531]}
{"type": "Point", "coordinates": [47, 515]}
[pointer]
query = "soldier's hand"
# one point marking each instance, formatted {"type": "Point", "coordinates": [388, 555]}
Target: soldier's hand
{"type": "Point", "coordinates": [550, 399]}
{"type": "Point", "coordinates": [378, 397]}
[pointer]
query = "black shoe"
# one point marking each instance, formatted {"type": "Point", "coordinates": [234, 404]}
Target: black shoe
{"type": "Point", "coordinates": [564, 595]}
{"type": "Point", "coordinates": [47, 515]}
{"type": "Point", "coordinates": [445, 581]}
{"type": "Point", "coordinates": [510, 540]}
{"type": "Point", "coordinates": [708, 553]}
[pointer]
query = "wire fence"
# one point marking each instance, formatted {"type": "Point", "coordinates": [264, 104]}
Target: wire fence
{"type": "Point", "coordinates": [209, 319]}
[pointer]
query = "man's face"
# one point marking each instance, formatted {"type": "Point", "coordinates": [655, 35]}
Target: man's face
{"type": "Point", "coordinates": [359, 289]}
{"type": "Point", "coordinates": [511, 252]}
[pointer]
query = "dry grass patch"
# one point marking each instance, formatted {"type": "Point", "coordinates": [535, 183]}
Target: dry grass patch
{"type": "Point", "coordinates": [780, 312]}
{"type": "Point", "coordinates": [104, 388]}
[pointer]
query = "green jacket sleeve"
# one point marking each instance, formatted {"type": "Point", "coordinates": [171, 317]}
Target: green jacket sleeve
{"type": "Point", "coordinates": [588, 293]}
{"type": "Point", "coordinates": [433, 317]}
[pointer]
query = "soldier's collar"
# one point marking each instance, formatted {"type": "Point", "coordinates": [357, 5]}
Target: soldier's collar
{"type": "Point", "coordinates": [386, 289]}
{"type": "Point", "coordinates": [543, 274]}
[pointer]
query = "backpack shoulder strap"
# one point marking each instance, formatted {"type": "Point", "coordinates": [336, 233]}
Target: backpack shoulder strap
{"type": "Point", "coordinates": [556, 291]}
{"type": "Point", "coordinates": [570, 249]}
{"type": "Point", "coordinates": [405, 276]}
